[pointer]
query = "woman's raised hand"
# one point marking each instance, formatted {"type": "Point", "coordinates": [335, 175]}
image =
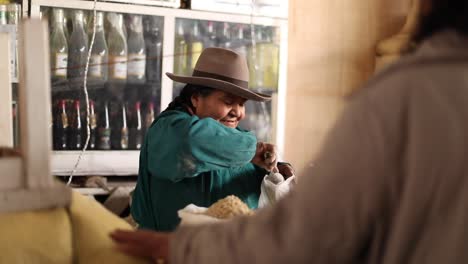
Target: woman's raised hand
{"type": "Point", "coordinates": [265, 156]}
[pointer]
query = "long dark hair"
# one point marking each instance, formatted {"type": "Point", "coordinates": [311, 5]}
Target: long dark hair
{"type": "Point", "coordinates": [184, 100]}
{"type": "Point", "coordinates": [443, 14]}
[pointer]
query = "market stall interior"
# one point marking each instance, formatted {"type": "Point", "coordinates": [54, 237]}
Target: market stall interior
{"type": "Point", "coordinates": [96, 82]}
{"type": "Point", "coordinates": [42, 220]}
{"type": "Point", "coordinates": [135, 43]}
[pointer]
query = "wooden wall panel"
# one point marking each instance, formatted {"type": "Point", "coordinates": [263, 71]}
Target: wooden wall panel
{"type": "Point", "coordinates": [331, 53]}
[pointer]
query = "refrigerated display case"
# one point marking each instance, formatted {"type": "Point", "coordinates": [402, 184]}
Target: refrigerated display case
{"type": "Point", "coordinates": [144, 42]}
{"type": "Point", "coordinates": [9, 18]}
{"type": "Point", "coordinates": [271, 8]}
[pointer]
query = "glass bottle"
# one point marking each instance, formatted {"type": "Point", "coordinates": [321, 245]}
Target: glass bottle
{"type": "Point", "coordinates": [238, 42]}
{"type": "Point", "coordinates": [194, 47]}
{"type": "Point", "coordinates": [3, 15]}
{"type": "Point", "coordinates": [256, 59]}
{"type": "Point", "coordinates": [153, 42]}
{"type": "Point", "coordinates": [13, 13]}
{"type": "Point", "coordinates": [149, 117]}
{"type": "Point", "coordinates": [61, 127]}
{"type": "Point", "coordinates": [99, 54]}
{"type": "Point", "coordinates": [77, 49]}
{"type": "Point", "coordinates": [137, 134]}
{"type": "Point", "coordinates": [270, 59]}
{"type": "Point", "coordinates": [180, 50]}
{"type": "Point", "coordinates": [210, 39]}
{"type": "Point", "coordinates": [136, 51]}
{"type": "Point", "coordinates": [58, 47]}
{"type": "Point", "coordinates": [14, 112]}
{"type": "Point", "coordinates": [75, 137]}
{"type": "Point", "coordinates": [92, 126]}
{"type": "Point", "coordinates": [117, 49]}
{"type": "Point", "coordinates": [104, 129]}
{"type": "Point", "coordinates": [224, 36]}
{"type": "Point", "coordinates": [124, 129]}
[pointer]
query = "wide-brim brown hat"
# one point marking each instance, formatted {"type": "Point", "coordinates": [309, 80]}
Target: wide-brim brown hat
{"type": "Point", "coordinates": [222, 69]}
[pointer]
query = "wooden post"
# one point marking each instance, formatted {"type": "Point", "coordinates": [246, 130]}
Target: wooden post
{"type": "Point", "coordinates": [30, 185]}
{"type": "Point", "coordinates": [34, 104]}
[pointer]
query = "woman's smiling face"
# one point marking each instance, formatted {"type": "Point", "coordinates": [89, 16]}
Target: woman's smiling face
{"type": "Point", "coordinates": [226, 108]}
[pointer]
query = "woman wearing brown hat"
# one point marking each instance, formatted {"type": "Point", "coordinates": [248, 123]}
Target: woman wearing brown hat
{"type": "Point", "coordinates": [195, 152]}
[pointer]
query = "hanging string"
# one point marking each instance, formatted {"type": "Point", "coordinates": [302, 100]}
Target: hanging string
{"type": "Point", "coordinates": [85, 90]}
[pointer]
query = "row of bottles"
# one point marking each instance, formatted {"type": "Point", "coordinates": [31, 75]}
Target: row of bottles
{"type": "Point", "coordinates": [261, 50]}
{"type": "Point", "coordinates": [113, 125]}
{"type": "Point", "coordinates": [122, 52]}
{"type": "Point", "coordinates": [128, 50]}
{"type": "Point", "coordinates": [132, 51]}
{"type": "Point", "coordinates": [10, 14]}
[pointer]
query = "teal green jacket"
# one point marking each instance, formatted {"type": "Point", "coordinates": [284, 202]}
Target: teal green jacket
{"type": "Point", "coordinates": [187, 160]}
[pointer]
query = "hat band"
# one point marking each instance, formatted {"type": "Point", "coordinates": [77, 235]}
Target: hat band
{"type": "Point", "coordinates": [243, 84]}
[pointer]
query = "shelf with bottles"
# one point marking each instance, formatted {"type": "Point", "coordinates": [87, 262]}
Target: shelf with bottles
{"type": "Point", "coordinates": [123, 79]}
{"type": "Point", "coordinates": [259, 44]}
{"type": "Point", "coordinates": [161, 26]}
{"type": "Point", "coordinates": [127, 48]}
{"type": "Point", "coordinates": [114, 125]}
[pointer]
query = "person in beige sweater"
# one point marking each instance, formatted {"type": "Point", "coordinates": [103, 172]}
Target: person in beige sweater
{"type": "Point", "coordinates": [390, 186]}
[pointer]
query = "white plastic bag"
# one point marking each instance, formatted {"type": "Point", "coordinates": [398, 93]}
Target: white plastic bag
{"type": "Point", "coordinates": [274, 187]}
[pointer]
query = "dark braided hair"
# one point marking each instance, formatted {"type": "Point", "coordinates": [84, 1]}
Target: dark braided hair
{"type": "Point", "coordinates": [443, 14]}
{"type": "Point", "coordinates": [184, 100]}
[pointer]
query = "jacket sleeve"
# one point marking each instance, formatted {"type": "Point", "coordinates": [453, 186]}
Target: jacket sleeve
{"type": "Point", "coordinates": [327, 219]}
{"type": "Point", "coordinates": [181, 146]}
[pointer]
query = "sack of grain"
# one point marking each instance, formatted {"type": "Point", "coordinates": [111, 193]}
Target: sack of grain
{"type": "Point", "coordinates": [194, 215]}
{"type": "Point", "coordinates": [222, 210]}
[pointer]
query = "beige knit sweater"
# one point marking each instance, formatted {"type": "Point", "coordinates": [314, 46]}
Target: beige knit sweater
{"type": "Point", "coordinates": [390, 186]}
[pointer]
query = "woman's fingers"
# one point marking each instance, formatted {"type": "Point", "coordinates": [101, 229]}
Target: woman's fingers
{"type": "Point", "coordinates": [131, 236]}
{"type": "Point", "coordinates": [270, 155]}
{"type": "Point", "coordinates": [142, 243]}
{"type": "Point", "coordinates": [265, 156]}
{"type": "Point", "coordinates": [286, 170]}
{"type": "Point", "coordinates": [135, 250]}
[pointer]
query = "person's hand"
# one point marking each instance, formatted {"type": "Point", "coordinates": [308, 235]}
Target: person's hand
{"type": "Point", "coordinates": [141, 243]}
{"type": "Point", "coordinates": [285, 169]}
{"type": "Point", "coordinates": [265, 156]}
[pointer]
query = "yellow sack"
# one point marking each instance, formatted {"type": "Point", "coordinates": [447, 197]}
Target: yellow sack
{"type": "Point", "coordinates": [36, 237]}
{"type": "Point", "coordinates": [92, 224]}
{"type": "Point", "coordinates": [79, 234]}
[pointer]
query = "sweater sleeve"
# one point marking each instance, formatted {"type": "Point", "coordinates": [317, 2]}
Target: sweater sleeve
{"type": "Point", "coordinates": [182, 146]}
{"type": "Point", "coordinates": [326, 219]}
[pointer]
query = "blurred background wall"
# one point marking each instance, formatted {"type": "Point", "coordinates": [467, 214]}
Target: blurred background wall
{"type": "Point", "coordinates": [331, 53]}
